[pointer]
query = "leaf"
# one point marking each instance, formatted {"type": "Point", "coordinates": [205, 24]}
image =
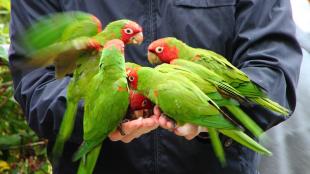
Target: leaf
{"type": "Point", "coordinates": [6, 4]}
{"type": "Point", "coordinates": [9, 140]}
{"type": "Point", "coordinates": [3, 55]}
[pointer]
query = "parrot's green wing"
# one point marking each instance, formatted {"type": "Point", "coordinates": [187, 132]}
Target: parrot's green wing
{"type": "Point", "coordinates": [60, 27]}
{"type": "Point", "coordinates": [237, 79]}
{"type": "Point", "coordinates": [176, 70]}
{"type": "Point", "coordinates": [188, 106]}
{"type": "Point", "coordinates": [211, 77]}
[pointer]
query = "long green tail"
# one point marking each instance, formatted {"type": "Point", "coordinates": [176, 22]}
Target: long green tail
{"type": "Point", "coordinates": [269, 104]}
{"type": "Point", "coordinates": [88, 164]}
{"type": "Point", "coordinates": [245, 120]}
{"type": "Point", "coordinates": [85, 148]}
{"type": "Point", "coordinates": [217, 145]}
{"type": "Point", "coordinates": [66, 128]}
{"type": "Point", "coordinates": [245, 140]}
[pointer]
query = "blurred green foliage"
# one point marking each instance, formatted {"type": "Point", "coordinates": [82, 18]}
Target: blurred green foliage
{"type": "Point", "coordinates": [21, 151]}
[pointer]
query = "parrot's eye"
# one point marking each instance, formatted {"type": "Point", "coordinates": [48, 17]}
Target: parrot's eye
{"type": "Point", "coordinates": [128, 31]}
{"type": "Point", "coordinates": [144, 103]}
{"type": "Point", "coordinates": [159, 49]}
{"type": "Point", "coordinates": [131, 78]}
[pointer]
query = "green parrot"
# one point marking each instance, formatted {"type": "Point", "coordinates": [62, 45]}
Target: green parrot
{"type": "Point", "coordinates": [212, 89]}
{"type": "Point", "coordinates": [167, 49]}
{"type": "Point", "coordinates": [67, 39]}
{"type": "Point", "coordinates": [105, 105]}
{"type": "Point", "coordinates": [86, 69]}
{"type": "Point", "coordinates": [184, 102]}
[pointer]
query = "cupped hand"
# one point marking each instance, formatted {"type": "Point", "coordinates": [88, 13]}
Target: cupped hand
{"type": "Point", "coordinates": [135, 128]}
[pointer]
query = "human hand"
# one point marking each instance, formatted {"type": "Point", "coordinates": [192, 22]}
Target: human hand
{"type": "Point", "coordinates": [135, 128]}
{"type": "Point", "coordinates": [189, 131]}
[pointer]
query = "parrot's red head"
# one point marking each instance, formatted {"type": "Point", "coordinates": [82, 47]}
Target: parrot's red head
{"type": "Point", "coordinates": [132, 77]}
{"type": "Point", "coordinates": [138, 101]}
{"type": "Point", "coordinates": [97, 21]}
{"type": "Point", "coordinates": [131, 33]}
{"type": "Point", "coordinates": [118, 44]}
{"type": "Point", "coordinates": [160, 51]}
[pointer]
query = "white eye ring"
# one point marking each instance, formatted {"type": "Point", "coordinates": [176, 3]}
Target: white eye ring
{"type": "Point", "coordinates": [144, 103]}
{"type": "Point", "coordinates": [128, 31]}
{"type": "Point", "coordinates": [159, 49]}
{"type": "Point", "coordinates": [131, 78]}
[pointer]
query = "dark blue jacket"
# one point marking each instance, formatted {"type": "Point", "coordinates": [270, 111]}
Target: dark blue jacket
{"type": "Point", "coordinates": [257, 36]}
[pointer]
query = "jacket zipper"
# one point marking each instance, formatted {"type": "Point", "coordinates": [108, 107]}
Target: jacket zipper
{"type": "Point", "coordinates": [152, 34]}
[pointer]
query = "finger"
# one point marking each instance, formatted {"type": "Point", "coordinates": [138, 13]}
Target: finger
{"type": "Point", "coordinates": [187, 130]}
{"type": "Point", "coordinates": [202, 129]}
{"type": "Point", "coordinates": [163, 121]}
{"type": "Point", "coordinates": [156, 110]}
{"type": "Point", "coordinates": [127, 127]}
{"type": "Point", "coordinates": [148, 125]}
{"type": "Point", "coordinates": [155, 117]}
{"type": "Point", "coordinates": [170, 125]}
{"type": "Point", "coordinates": [192, 135]}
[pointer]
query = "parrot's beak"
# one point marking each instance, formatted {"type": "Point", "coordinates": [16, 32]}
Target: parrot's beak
{"type": "Point", "coordinates": [136, 39]}
{"type": "Point", "coordinates": [153, 58]}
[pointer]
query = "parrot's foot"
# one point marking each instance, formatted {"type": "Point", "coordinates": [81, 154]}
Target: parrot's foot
{"type": "Point", "coordinates": [120, 128]}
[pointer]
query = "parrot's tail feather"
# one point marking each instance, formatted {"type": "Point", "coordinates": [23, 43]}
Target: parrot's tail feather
{"type": "Point", "coordinates": [226, 115]}
{"type": "Point", "coordinates": [87, 166]}
{"type": "Point", "coordinates": [274, 106]}
{"type": "Point", "coordinates": [84, 149]}
{"type": "Point", "coordinates": [245, 120]}
{"type": "Point", "coordinates": [66, 128]}
{"type": "Point", "coordinates": [217, 145]}
{"type": "Point", "coordinates": [245, 140]}
{"type": "Point", "coordinates": [58, 148]}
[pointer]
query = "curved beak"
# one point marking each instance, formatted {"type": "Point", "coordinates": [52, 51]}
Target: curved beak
{"type": "Point", "coordinates": [153, 58]}
{"type": "Point", "coordinates": [136, 39]}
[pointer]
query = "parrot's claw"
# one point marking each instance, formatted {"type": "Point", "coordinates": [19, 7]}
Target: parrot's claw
{"type": "Point", "coordinates": [125, 121]}
{"type": "Point", "coordinates": [120, 129]}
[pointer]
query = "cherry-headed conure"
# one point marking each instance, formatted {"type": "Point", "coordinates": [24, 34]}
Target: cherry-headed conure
{"type": "Point", "coordinates": [67, 39]}
{"type": "Point", "coordinates": [88, 67]}
{"type": "Point", "coordinates": [184, 102]}
{"type": "Point", "coordinates": [106, 104]}
{"type": "Point", "coordinates": [167, 49]}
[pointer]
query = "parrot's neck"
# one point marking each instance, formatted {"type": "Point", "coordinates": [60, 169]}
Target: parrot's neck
{"type": "Point", "coordinates": [112, 65]}
{"type": "Point", "coordinates": [106, 35]}
{"type": "Point", "coordinates": [187, 52]}
{"type": "Point", "coordinates": [146, 79]}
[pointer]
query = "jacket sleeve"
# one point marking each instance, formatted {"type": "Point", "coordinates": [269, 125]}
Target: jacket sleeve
{"type": "Point", "coordinates": [267, 51]}
{"type": "Point", "coordinates": [40, 95]}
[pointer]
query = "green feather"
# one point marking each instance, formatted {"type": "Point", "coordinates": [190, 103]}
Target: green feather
{"type": "Point", "coordinates": [245, 140]}
{"type": "Point", "coordinates": [217, 145]}
{"type": "Point", "coordinates": [88, 164]}
{"type": "Point", "coordinates": [59, 27]}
